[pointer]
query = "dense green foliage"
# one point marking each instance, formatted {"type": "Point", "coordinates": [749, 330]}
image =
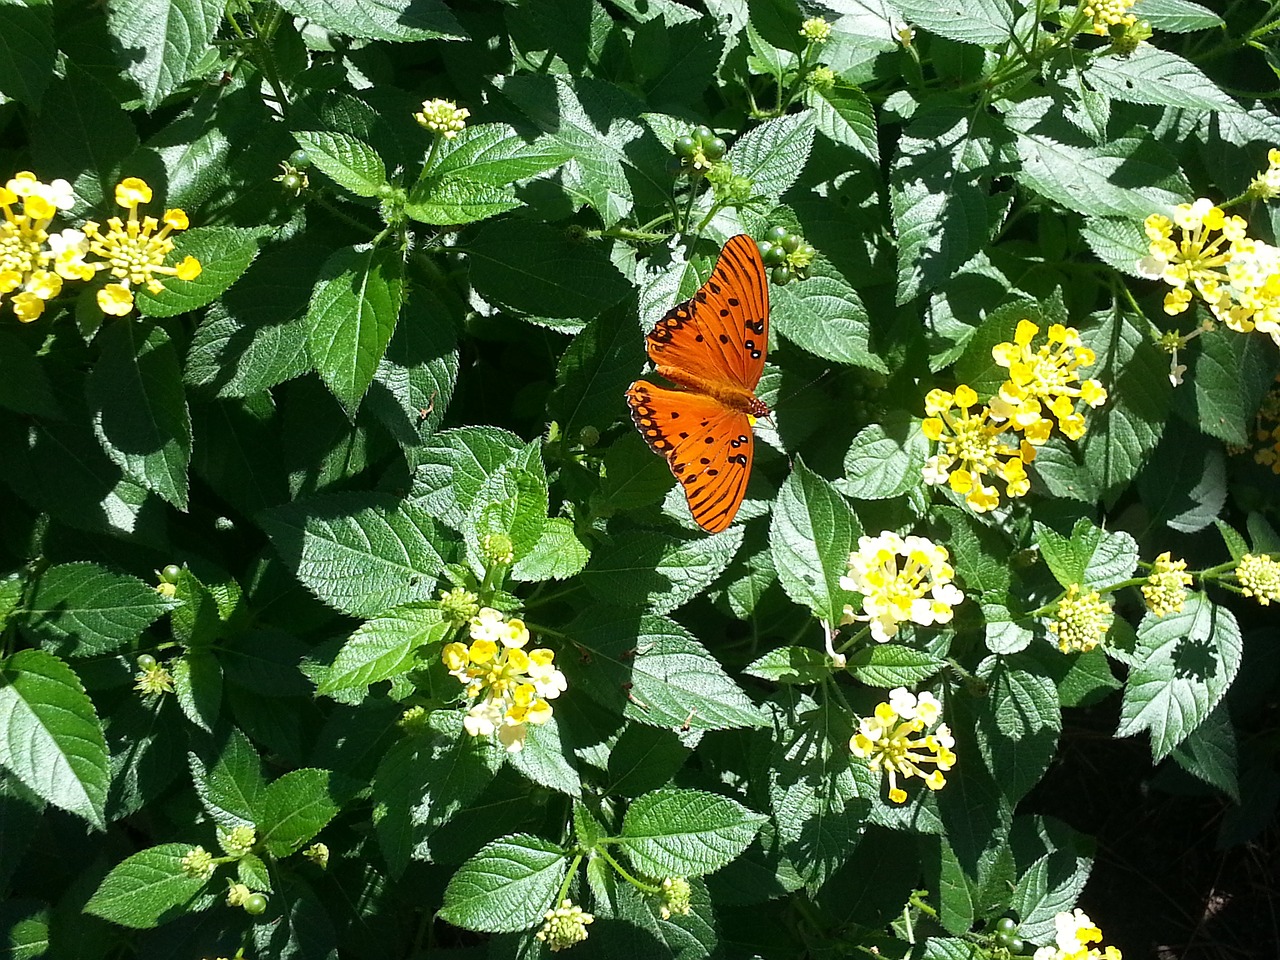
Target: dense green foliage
{"type": "Point", "coordinates": [409, 257]}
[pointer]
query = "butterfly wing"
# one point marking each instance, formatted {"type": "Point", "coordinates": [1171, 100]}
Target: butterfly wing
{"type": "Point", "coordinates": [707, 445]}
{"type": "Point", "coordinates": [720, 334]}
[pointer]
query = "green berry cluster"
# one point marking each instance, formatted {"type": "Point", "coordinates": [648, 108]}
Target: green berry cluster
{"type": "Point", "coordinates": [1005, 936]}
{"type": "Point", "coordinates": [787, 254]}
{"type": "Point", "coordinates": [697, 152]}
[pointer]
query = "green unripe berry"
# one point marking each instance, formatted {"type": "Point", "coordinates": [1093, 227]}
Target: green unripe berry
{"type": "Point", "coordinates": [171, 573]}
{"type": "Point", "coordinates": [1007, 925]}
{"type": "Point", "coordinates": [1015, 946]}
{"type": "Point", "coordinates": [776, 256]}
{"type": "Point", "coordinates": [255, 905]}
{"type": "Point", "coordinates": [291, 182]}
{"type": "Point", "coordinates": [704, 134]}
{"type": "Point", "coordinates": [781, 275]}
{"type": "Point", "coordinates": [299, 159]}
{"type": "Point", "coordinates": [764, 246]}
{"type": "Point", "coordinates": [791, 242]}
{"type": "Point", "coordinates": [686, 147]}
{"type": "Point", "coordinates": [146, 661]}
{"type": "Point", "coordinates": [714, 148]}
{"type": "Point", "coordinates": [776, 234]}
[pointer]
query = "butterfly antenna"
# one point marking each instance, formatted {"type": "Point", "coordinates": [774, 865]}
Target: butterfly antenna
{"type": "Point", "coordinates": [801, 389]}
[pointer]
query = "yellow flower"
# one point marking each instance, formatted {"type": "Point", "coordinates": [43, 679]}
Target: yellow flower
{"type": "Point", "coordinates": [1259, 577]}
{"type": "Point", "coordinates": [1266, 185]}
{"type": "Point", "coordinates": [32, 262]}
{"type": "Point", "coordinates": [675, 898]}
{"type": "Point", "coordinates": [513, 686]}
{"type": "Point", "coordinates": [198, 864]}
{"type": "Point", "coordinates": [564, 926]}
{"type": "Point", "coordinates": [237, 841]}
{"type": "Point", "coordinates": [459, 605]}
{"type": "Point", "coordinates": [1046, 377]}
{"type": "Point", "coordinates": [1082, 620]}
{"type": "Point", "coordinates": [133, 251]}
{"type": "Point", "coordinates": [972, 446]}
{"type": "Point", "coordinates": [921, 591]}
{"type": "Point", "coordinates": [885, 741]}
{"type": "Point", "coordinates": [442, 117]}
{"type": "Point", "coordinates": [815, 30]}
{"type": "Point", "coordinates": [1165, 591]}
{"type": "Point", "coordinates": [237, 894]}
{"type": "Point", "coordinates": [1105, 13]}
{"type": "Point", "coordinates": [153, 681]}
{"type": "Point", "coordinates": [1073, 932]}
{"type": "Point", "coordinates": [318, 853]}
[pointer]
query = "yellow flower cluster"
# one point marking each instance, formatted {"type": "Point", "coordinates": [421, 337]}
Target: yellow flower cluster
{"type": "Point", "coordinates": [36, 263]}
{"type": "Point", "coordinates": [444, 118]}
{"type": "Point", "coordinates": [1214, 258]}
{"type": "Point", "coordinates": [1266, 185]}
{"type": "Point", "coordinates": [1165, 591]}
{"type": "Point", "coordinates": [885, 741]}
{"type": "Point", "coordinates": [1073, 932]}
{"type": "Point", "coordinates": [564, 926]}
{"type": "Point", "coordinates": [1082, 620]}
{"type": "Point", "coordinates": [1106, 13]}
{"type": "Point", "coordinates": [198, 863]}
{"type": "Point", "coordinates": [1000, 438]}
{"type": "Point", "coordinates": [514, 685]}
{"type": "Point", "coordinates": [815, 30]}
{"type": "Point", "coordinates": [676, 898]}
{"type": "Point", "coordinates": [1259, 577]}
{"type": "Point", "coordinates": [920, 590]}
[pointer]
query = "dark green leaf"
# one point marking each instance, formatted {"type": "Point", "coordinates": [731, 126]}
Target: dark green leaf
{"type": "Point", "coordinates": [395, 20]}
{"type": "Point", "coordinates": [150, 888]}
{"type": "Point", "coordinates": [82, 609]}
{"type": "Point", "coordinates": [224, 254]}
{"type": "Point", "coordinates": [507, 886]}
{"type": "Point", "coordinates": [686, 833]}
{"type": "Point", "coordinates": [163, 43]}
{"type": "Point", "coordinates": [295, 808]}
{"type": "Point", "coordinates": [349, 161]}
{"type": "Point", "coordinates": [385, 647]}
{"type": "Point", "coordinates": [986, 22]}
{"type": "Point", "coordinates": [885, 459]}
{"type": "Point", "coordinates": [27, 49]}
{"type": "Point", "coordinates": [812, 533]}
{"type": "Point", "coordinates": [657, 571]}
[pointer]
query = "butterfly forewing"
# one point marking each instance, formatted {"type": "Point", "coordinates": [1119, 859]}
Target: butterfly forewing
{"type": "Point", "coordinates": [721, 333]}
{"type": "Point", "coordinates": [707, 445]}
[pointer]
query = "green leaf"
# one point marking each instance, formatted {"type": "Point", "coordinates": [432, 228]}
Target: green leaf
{"type": "Point", "coordinates": [985, 22]}
{"type": "Point", "coordinates": [505, 887]}
{"type": "Point", "coordinates": [1127, 177]}
{"type": "Point", "coordinates": [24, 928]}
{"type": "Point", "coordinates": [1154, 75]}
{"type": "Point", "coordinates": [511, 502]}
{"type": "Point", "coordinates": [394, 20]}
{"type": "Point", "coordinates": [347, 160]}
{"type": "Point", "coordinates": [774, 153]}
{"type": "Point", "coordinates": [1125, 430]}
{"type": "Point", "coordinates": [1117, 241]}
{"type": "Point", "coordinates": [825, 316]}
{"type": "Point", "coordinates": [1234, 543]}
{"type": "Point", "coordinates": [652, 670]}
{"type": "Point", "coordinates": [658, 571]}
{"type": "Point", "coordinates": [557, 555]}
{"type": "Point", "coordinates": [197, 684]}
{"type": "Point", "coordinates": [24, 386]}
{"type": "Point", "coordinates": [359, 553]}
{"type": "Point", "coordinates": [27, 49]}
{"type": "Point", "coordinates": [139, 408]}
{"type": "Point", "coordinates": [1183, 665]}
{"type": "Point", "coordinates": [545, 760]}
{"type": "Point", "coordinates": [230, 782]}
{"type": "Point", "coordinates": [1178, 16]}
{"type": "Point", "coordinates": [1209, 752]}
{"type": "Point", "coordinates": [686, 833]}
{"type": "Point", "coordinates": [534, 268]}
{"type": "Point", "coordinates": [802, 665]}
{"type": "Point", "coordinates": [82, 609]}
{"type": "Point", "coordinates": [593, 373]}
{"type": "Point", "coordinates": [224, 254]}
{"type": "Point", "coordinates": [294, 808]}
{"type": "Point", "coordinates": [811, 535]}
{"type": "Point", "coordinates": [844, 114]}
{"type": "Point", "coordinates": [52, 739]}
{"type": "Point", "coordinates": [1022, 703]}
{"type": "Point", "coordinates": [1229, 376]}
{"type": "Point", "coordinates": [416, 379]}
{"type": "Point", "coordinates": [1091, 557]}
{"type": "Point", "coordinates": [165, 42]}
{"type": "Point", "coordinates": [385, 647]}
{"type": "Point", "coordinates": [451, 202]}
{"type": "Point", "coordinates": [885, 459]}
{"type": "Point", "coordinates": [938, 194]}
{"type": "Point", "coordinates": [424, 781]}
{"type": "Point", "coordinates": [150, 888]}
{"type": "Point", "coordinates": [643, 759]}
{"type": "Point", "coordinates": [893, 665]}
{"type": "Point", "coordinates": [351, 318]}
{"type": "Point", "coordinates": [455, 465]}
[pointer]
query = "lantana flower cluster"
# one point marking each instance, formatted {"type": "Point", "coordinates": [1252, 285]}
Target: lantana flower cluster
{"type": "Point", "coordinates": [1108, 13]}
{"type": "Point", "coordinates": [36, 263]}
{"type": "Point", "coordinates": [1165, 591]}
{"type": "Point", "coordinates": [1082, 620]}
{"type": "Point", "coordinates": [513, 685]}
{"type": "Point", "coordinates": [1202, 252]}
{"type": "Point", "coordinates": [887, 741]}
{"type": "Point", "coordinates": [1073, 932]}
{"type": "Point", "coordinates": [901, 580]}
{"type": "Point", "coordinates": [997, 439]}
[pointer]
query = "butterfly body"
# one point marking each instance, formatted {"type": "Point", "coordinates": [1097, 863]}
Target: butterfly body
{"type": "Point", "coordinates": [712, 346]}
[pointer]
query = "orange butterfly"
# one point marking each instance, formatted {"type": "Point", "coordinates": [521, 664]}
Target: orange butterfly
{"type": "Point", "coordinates": [713, 346]}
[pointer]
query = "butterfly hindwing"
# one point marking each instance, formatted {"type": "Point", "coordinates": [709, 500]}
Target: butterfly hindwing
{"type": "Point", "coordinates": [708, 446]}
{"type": "Point", "coordinates": [722, 331]}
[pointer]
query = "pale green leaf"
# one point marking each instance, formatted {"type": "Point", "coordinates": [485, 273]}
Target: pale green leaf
{"type": "Point", "coordinates": [505, 887]}
{"type": "Point", "coordinates": [686, 833]}
{"type": "Point", "coordinates": [150, 888]}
